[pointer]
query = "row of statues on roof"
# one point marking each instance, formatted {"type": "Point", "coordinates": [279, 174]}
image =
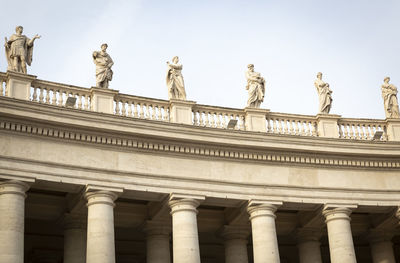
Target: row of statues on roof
{"type": "Point", "coordinates": [19, 51]}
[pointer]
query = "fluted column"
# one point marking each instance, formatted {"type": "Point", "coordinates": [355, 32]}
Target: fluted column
{"type": "Point", "coordinates": [265, 242]}
{"type": "Point", "coordinates": [100, 228]}
{"type": "Point", "coordinates": [309, 245]}
{"type": "Point", "coordinates": [341, 244]}
{"type": "Point", "coordinates": [12, 216]}
{"type": "Point", "coordinates": [184, 229]}
{"type": "Point", "coordinates": [235, 241]}
{"type": "Point", "coordinates": [157, 242]}
{"type": "Point", "coordinates": [74, 238]}
{"type": "Point", "coordinates": [381, 246]}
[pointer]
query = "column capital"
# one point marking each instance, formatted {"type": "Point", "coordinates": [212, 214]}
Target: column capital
{"type": "Point", "coordinates": [338, 211]}
{"type": "Point", "coordinates": [306, 234]}
{"type": "Point", "coordinates": [14, 187]}
{"type": "Point", "coordinates": [229, 232]}
{"type": "Point", "coordinates": [182, 202]}
{"type": "Point", "coordinates": [157, 227]}
{"type": "Point", "coordinates": [74, 221]}
{"type": "Point", "coordinates": [262, 208]}
{"type": "Point", "coordinates": [379, 235]}
{"type": "Point", "coordinates": [101, 195]}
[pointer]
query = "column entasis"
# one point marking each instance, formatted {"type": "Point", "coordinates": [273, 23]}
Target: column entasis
{"type": "Point", "coordinates": [100, 227]}
{"type": "Point", "coordinates": [235, 241]}
{"type": "Point", "coordinates": [309, 245]}
{"type": "Point", "coordinates": [185, 237]}
{"type": "Point", "coordinates": [381, 246]}
{"type": "Point", "coordinates": [12, 216]}
{"type": "Point", "coordinates": [74, 238]}
{"type": "Point", "coordinates": [341, 244]}
{"type": "Point", "coordinates": [157, 241]}
{"type": "Point", "coordinates": [265, 242]}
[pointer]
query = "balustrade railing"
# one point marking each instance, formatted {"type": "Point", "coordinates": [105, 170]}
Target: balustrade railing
{"type": "Point", "coordinates": [291, 124]}
{"type": "Point", "coordinates": [361, 129]}
{"type": "Point", "coordinates": [3, 80]}
{"type": "Point", "coordinates": [141, 107]}
{"type": "Point", "coordinates": [217, 117]}
{"type": "Point", "coordinates": [56, 94]}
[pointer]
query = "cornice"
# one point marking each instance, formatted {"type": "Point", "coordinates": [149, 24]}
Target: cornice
{"type": "Point", "coordinates": [50, 122]}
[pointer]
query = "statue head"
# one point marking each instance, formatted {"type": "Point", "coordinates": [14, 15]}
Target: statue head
{"type": "Point", "coordinates": [175, 59]}
{"type": "Point", "coordinates": [19, 30]}
{"type": "Point", "coordinates": [319, 75]}
{"type": "Point", "coordinates": [250, 67]}
{"type": "Point", "coordinates": [104, 47]}
{"type": "Point", "coordinates": [386, 79]}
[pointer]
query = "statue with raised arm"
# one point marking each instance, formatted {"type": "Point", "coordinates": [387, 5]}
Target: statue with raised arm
{"type": "Point", "coordinates": [103, 63]}
{"type": "Point", "coordinates": [175, 84]}
{"type": "Point", "coordinates": [19, 50]}
{"type": "Point", "coordinates": [389, 95]}
{"type": "Point", "coordinates": [255, 86]}
{"type": "Point", "coordinates": [324, 93]}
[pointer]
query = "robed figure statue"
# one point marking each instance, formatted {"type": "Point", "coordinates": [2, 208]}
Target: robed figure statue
{"type": "Point", "coordinates": [103, 63]}
{"type": "Point", "coordinates": [175, 84]}
{"type": "Point", "coordinates": [389, 95]}
{"type": "Point", "coordinates": [255, 86]}
{"type": "Point", "coordinates": [19, 50]}
{"type": "Point", "coordinates": [324, 94]}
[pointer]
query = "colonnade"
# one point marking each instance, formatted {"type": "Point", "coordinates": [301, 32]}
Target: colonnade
{"type": "Point", "coordinates": [99, 233]}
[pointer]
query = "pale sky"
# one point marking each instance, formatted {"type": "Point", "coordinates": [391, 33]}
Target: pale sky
{"type": "Point", "coordinates": [355, 43]}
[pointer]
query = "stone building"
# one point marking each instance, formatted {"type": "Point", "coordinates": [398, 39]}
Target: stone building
{"type": "Point", "coordinates": [119, 178]}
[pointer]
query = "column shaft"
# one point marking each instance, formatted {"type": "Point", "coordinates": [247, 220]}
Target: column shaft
{"type": "Point", "coordinates": [12, 216]}
{"type": "Point", "coordinates": [100, 229]}
{"type": "Point", "coordinates": [309, 252]}
{"type": "Point", "coordinates": [235, 242]}
{"type": "Point", "coordinates": [382, 252]}
{"type": "Point", "coordinates": [341, 244]}
{"type": "Point", "coordinates": [74, 238]}
{"type": "Point", "coordinates": [265, 243]}
{"type": "Point", "coordinates": [157, 242]}
{"type": "Point", "coordinates": [184, 231]}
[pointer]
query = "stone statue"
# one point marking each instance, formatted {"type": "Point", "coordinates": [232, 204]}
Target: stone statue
{"type": "Point", "coordinates": [255, 87]}
{"type": "Point", "coordinates": [19, 50]}
{"type": "Point", "coordinates": [324, 93]}
{"type": "Point", "coordinates": [103, 63]}
{"type": "Point", "coordinates": [175, 84]}
{"type": "Point", "coordinates": [389, 95]}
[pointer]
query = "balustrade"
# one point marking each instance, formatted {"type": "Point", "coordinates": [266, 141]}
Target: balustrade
{"type": "Point", "coordinates": [142, 108]}
{"type": "Point", "coordinates": [217, 117]}
{"type": "Point", "coordinates": [291, 124]}
{"type": "Point", "coordinates": [56, 94]}
{"type": "Point", "coordinates": [361, 129]}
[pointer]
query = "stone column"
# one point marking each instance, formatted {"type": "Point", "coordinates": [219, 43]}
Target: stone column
{"type": "Point", "coordinates": [100, 227]}
{"type": "Point", "coordinates": [341, 244]}
{"type": "Point", "coordinates": [235, 241]}
{"type": "Point", "coordinates": [74, 238]}
{"type": "Point", "coordinates": [265, 242]}
{"type": "Point", "coordinates": [184, 228]}
{"type": "Point", "coordinates": [381, 246]}
{"type": "Point", "coordinates": [309, 245]}
{"type": "Point", "coordinates": [157, 241]}
{"type": "Point", "coordinates": [12, 216]}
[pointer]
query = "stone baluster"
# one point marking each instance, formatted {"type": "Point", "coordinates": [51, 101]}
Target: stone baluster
{"type": "Point", "coordinates": [265, 242]}
{"type": "Point", "coordinates": [341, 245]}
{"type": "Point", "coordinates": [184, 228]}
{"type": "Point", "coordinates": [12, 216]}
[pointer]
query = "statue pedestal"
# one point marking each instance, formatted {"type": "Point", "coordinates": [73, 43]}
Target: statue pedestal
{"type": "Point", "coordinates": [256, 119]}
{"type": "Point", "coordinates": [102, 100]}
{"type": "Point", "coordinates": [181, 111]}
{"type": "Point", "coordinates": [328, 125]}
{"type": "Point", "coordinates": [19, 85]}
{"type": "Point", "coordinates": [393, 129]}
